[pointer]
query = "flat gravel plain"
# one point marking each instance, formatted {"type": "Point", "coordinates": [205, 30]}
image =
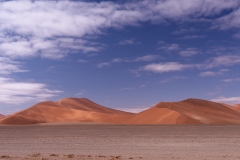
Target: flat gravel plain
{"type": "Point", "coordinates": [112, 142]}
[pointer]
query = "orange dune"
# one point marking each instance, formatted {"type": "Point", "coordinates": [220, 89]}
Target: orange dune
{"type": "Point", "coordinates": [49, 112]}
{"type": "Point", "coordinates": [85, 104]}
{"type": "Point", "coordinates": [157, 115]}
{"type": "Point", "coordinates": [236, 107]}
{"type": "Point", "coordinates": [1, 116]}
{"type": "Point", "coordinates": [206, 112]}
{"type": "Point", "coordinates": [190, 111]}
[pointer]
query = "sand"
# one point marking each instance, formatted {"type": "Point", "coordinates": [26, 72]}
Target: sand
{"type": "Point", "coordinates": [66, 110]}
{"type": "Point", "coordinates": [106, 142]}
{"type": "Point", "coordinates": [236, 107]}
{"type": "Point", "coordinates": [189, 111]}
{"type": "Point", "coordinates": [1, 116]}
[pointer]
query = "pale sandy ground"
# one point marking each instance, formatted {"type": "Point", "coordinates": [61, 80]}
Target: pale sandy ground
{"type": "Point", "coordinates": [108, 142]}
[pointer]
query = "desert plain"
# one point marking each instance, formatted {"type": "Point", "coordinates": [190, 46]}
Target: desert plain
{"type": "Point", "coordinates": [75, 128]}
{"type": "Point", "coordinates": [108, 142]}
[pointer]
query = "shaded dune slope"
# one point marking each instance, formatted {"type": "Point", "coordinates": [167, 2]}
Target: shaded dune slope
{"type": "Point", "coordinates": [156, 115]}
{"type": "Point", "coordinates": [206, 112]}
{"type": "Point", "coordinates": [1, 116]}
{"type": "Point", "coordinates": [49, 112]}
{"type": "Point", "coordinates": [190, 111]}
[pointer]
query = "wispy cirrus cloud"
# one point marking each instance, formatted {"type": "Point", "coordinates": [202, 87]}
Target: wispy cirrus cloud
{"type": "Point", "coordinates": [214, 62]}
{"type": "Point", "coordinates": [188, 52]}
{"type": "Point", "coordinates": [129, 42]}
{"type": "Point", "coordinates": [212, 73]}
{"type": "Point", "coordinates": [229, 80]}
{"type": "Point", "coordinates": [8, 66]}
{"type": "Point", "coordinates": [225, 60]}
{"type": "Point", "coordinates": [146, 58]}
{"type": "Point", "coordinates": [228, 100]}
{"type": "Point", "coordinates": [165, 67]}
{"type": "Point", "coordinates": [15, 92]}
{"type": "Point", "coordinates": [168, 47]}
{"type": "Point", "coordinates": [192, 37]}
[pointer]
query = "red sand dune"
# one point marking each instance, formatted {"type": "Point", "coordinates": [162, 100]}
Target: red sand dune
{"type": "Point", "coordinates": [2, 116]}
{"type": "Point", "coordinates": [85, 104]}
{"type": "Point", "coordinates": [190, 111]}
{"type": "Point", "coordinates": [236, 107]}
{"type": "Point", "coordinates": [49, 112]}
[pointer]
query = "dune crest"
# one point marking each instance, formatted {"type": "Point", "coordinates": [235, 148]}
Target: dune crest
{"type": "Point", "coordinates": [189, 111]}
{"type": "Point", "coordinates": [82, 110]}
{"type": "Point", "coordinates": [2, 116]}
{"type": "Point", "coordinates": [204, 111]}
{"type": "Point", "coordinates": [85, 104]}
{"type": "Point", "coordinates": [236, 107]}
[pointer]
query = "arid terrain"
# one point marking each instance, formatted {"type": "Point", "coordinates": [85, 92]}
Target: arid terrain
{"type": "Point", "coordinates": [77, 128]}
{"type": "Point", "coordinates": [113, 142]}
{"type": "Point", "coordinates": [1, 116]}
{"type": "Point", "coordinates": [189, 111]}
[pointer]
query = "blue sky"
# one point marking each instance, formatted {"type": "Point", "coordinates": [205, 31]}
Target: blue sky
{"type": "Point", "coordinates": [128, 54]}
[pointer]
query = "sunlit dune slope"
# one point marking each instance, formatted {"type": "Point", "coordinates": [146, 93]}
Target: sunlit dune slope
{"type": "Point", "coordinates": [206, 112]}
{"type": "Point", "coordinates": [49, 112]}
{"type": "Point", "coordinates": [236, 107]}
{"type": "Point", "coordinates": [190, 111]}
{"type": "Point", "coordinates": [157, 115]}
{"type": "Point", "coordinates": [85, 104]}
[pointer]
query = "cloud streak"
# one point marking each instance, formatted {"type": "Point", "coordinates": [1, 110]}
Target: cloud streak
{"type": "Point", "coordinates": [14, 92]}
{"type": "Point", "coordinates": [228, 100]}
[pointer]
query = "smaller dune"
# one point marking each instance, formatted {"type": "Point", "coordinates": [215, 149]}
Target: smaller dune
{"type": "Point", "coordinates": [2, 116]}
{"type": "Point", "coordinates": [189, 111]}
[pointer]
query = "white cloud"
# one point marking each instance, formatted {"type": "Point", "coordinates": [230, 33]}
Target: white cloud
{"type": "Point", "coordinates": [8, 66]}
{"type": "Point", "coordinates": [208, 73]}
{"type": "Point", "coordinates": [229, 21]}
{"type": "Point", "coordinates": [48, 21]}
{"type": "Point", "coordinates": [103, 64]}
{"type": "Point", "coordinates": [192, 37]}
{"type": "Point", "coordinates": [164, 81]}
{"type": "Point", "coordinates": [211, 73]}
{"type": "Point", "coordinates": [147, 58]}
{"type": "Point", "coordinates": [134, 110]}
{"type": "Point", "coordinates": [189, 52]}
{"type": "Point", "coordinates": [165, 67]}
{"type": "Point", "coordinates": [231, 80]}
{"type": "Point", "coordinates": [82, 61]}
{"type": "Point", "coordinates": [117, 60]}
{"type": "Point", "coordinates": [227, 60]}
{"type": "Point", "coordinates": [184, 30]}
{"type": "Point", "coordinates": [13, 92]}
{"type": "Point", "coordinates": [128, 42]}
{"type": "Point", "coordinates": [81, 93]}
{"type": "Point", "coordinates": [169, 47]}
{"type": "Point", "coordinates": [228, 100]}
